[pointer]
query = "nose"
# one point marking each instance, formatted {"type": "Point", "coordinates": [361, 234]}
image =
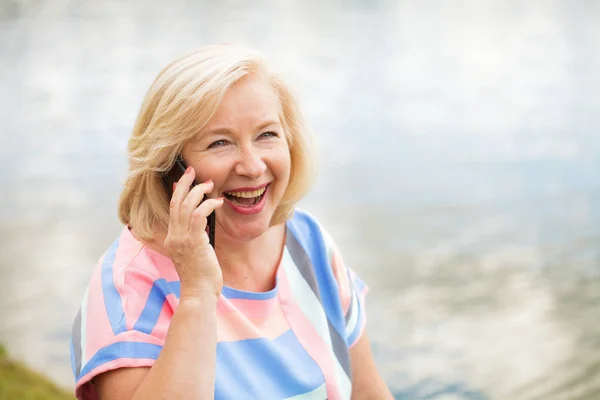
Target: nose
{"type": "Point", "coordinates": [250, 163]}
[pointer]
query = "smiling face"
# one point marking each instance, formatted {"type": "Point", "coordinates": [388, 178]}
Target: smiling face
{"type": "Point", "coordinates": [244, 151]}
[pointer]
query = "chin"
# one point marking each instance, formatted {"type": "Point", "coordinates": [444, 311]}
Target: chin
{"type": "Point", "coordinates": [244, 232]}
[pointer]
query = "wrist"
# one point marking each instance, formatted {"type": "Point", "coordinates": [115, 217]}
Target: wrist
{"type": "Point", "coordinates": [202, 291]}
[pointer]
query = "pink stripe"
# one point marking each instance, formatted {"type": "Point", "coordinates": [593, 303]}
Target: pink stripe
{"type": "Point", "coordinates": [98, 329]}
{"type": "Point", "coordinates": [307, 335]}
{"type": "Point", "coordinates": [136, 336]}
{"type": "Point", "coordinates": [234, 325]}
{"type": "Point", "coordinates": [342, 279]}
{"type": "Point", "coordinates": [139, 283]}
{"type": "Point", "coordinates": [254, 308]}
{"type": "Point", "coordinates": [161, 264]}
{"type": "Point", "coordinates": [138, 277]}
{"type": "Point", "coordinates": [127, 250]}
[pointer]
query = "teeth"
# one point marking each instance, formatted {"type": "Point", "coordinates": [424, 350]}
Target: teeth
{"type": "Point", "coordinates": [248, 195]}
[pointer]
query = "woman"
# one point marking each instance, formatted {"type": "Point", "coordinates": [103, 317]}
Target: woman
{"type": "Point", "coordinates": [270, 312]}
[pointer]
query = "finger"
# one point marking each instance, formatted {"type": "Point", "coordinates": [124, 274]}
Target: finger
{"type": "Point", "coordinates": [192, 200]}
{"type": "Point", "coordinates": [180, 191]}
{"type": "Point", "coordinates": [200, 214]}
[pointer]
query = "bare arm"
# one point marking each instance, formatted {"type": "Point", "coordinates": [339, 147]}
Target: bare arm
{"type": "Point", "coordinates": [185, 367]}
{"type": "Point", "coordinates": [367, 384]}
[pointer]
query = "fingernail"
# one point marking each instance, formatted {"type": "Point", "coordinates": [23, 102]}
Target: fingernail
{"type": "Point", "coordinates": [208, 181]}
{"type": "Point", "coordinates": [188, 169]}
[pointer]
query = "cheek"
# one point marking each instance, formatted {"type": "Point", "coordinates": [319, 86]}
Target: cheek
{"type": "Point", "coordinates": [282, 162]}
{"type": "Point", "coordinates": [282, 172]}
{"type": "Point", "coordinates": [215, 169]}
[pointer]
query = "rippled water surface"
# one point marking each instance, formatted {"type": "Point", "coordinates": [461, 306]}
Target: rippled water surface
{"type": "Point", "coordinates": [460, 171]}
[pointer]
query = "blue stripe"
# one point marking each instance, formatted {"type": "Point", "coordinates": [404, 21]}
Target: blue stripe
{"type": "Point", "coordinates": [121, 350]}
{"type": "Point", "coordinates": [231, 293]}
{"type": "Point", "coordinates": [156, 299]}
{"type": "Point", "coordinates": [265, 369]}
{"type": "Point", "coordinates": [112, 298]}
{"type": "Point", "coordinates": [308, 233]}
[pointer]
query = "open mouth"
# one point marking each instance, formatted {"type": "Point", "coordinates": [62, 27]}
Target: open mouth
{"type": "Point", "coordinates": [246, 199]}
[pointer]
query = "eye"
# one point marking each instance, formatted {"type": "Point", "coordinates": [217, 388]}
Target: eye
{"type": "Point", "coordinates": [218, 143]}
{"type": "Point", "coordinates": [269, 134]}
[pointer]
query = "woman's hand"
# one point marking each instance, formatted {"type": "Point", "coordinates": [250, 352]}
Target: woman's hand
{"type": "Point", "coordinates": [187, 243]}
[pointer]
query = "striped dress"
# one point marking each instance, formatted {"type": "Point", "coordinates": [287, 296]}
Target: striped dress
{"type": "Point", "coordinates": [288, 343]}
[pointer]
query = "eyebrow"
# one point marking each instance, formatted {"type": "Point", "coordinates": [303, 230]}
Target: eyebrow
{"type": "Point", "coordinates": [222, 130]}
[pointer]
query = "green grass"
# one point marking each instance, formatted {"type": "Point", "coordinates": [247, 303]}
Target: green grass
{"type": "Point", "coordinates": [18, 382]}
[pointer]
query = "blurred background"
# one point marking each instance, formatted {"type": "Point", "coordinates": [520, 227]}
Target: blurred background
{"type": "Point", "coordinates": [460, 171]}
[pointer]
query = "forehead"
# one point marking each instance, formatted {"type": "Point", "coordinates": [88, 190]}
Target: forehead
{"type": "Point", "coordinates": [250, 101]}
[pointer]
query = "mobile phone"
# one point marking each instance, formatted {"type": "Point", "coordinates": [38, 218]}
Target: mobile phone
{"type": "Point", "coordinates": [173, 176]}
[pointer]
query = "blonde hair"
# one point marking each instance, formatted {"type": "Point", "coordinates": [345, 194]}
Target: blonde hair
{"type": "Point", "coordinates": [181, 100]}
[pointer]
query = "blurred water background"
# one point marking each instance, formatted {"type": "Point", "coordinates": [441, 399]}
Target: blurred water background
{"type": "Point", "coordinates": [460, 171]}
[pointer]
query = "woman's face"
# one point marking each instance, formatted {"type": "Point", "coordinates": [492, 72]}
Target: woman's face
{"type": "Point", "coordinates": [243, 150]}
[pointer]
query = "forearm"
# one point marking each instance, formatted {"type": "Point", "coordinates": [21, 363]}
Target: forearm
{"type": "Point", "coordinates": [367, 383]}
{"type": "Point", "coordinates": [185, 367]}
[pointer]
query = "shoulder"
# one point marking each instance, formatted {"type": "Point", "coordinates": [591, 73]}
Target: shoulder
{"type": "Point", "coordinates": [121, 254]}
{"type": "Point", "coordinates": [118, 324]}
{"type": "Point", "coordinates": [302, 219]}
{"type": "Point", "coordinates": [308, 237]}
{"type": "Point", "coordinates": [309, 230]}
{"type": "Point", "coordinates": [128, 257]}
{"type": "Point", "coordinates": [126, 278]}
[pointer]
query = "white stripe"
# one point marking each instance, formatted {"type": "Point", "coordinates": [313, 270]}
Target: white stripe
{"type": "Point", "coordinates": [354, 316]}
{"type": "Point", "coordinates": [329, 244]}
{"type": "Point", "coordinates": [312, 308]}
{"type": "Point", "coordinates": [84, 304]}
{"type": "Point", "coordinates": [319, 393]}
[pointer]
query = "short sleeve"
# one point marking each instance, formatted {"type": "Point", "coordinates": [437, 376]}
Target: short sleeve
{"type": "Point", "coordinates": [122, 322]}
{"type": "Point", "coordinates": [352, 291]}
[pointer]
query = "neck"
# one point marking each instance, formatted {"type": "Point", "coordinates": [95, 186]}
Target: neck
{"type": "Point", "coordinates": [251, 265]}
{"type": "Point", "coordinates": [246, 265]}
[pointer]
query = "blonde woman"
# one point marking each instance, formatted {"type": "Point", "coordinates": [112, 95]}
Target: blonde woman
{"type": "Point", "coordinates": [267, 311]}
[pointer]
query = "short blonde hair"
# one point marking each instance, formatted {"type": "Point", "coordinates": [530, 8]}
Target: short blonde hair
{"type": "Point", "coordinates": [181, 100]}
